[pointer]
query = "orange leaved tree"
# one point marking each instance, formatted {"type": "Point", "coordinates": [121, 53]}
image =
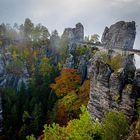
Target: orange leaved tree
{"type": "Point", "coordinates": [69, 80]}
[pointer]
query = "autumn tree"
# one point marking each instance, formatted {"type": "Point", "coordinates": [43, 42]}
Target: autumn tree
{"type": "Point", "coordinates": [69, 80]}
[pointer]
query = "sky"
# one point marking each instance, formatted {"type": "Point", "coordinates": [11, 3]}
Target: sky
{"type": "Point", "coordinates": [59, 14]}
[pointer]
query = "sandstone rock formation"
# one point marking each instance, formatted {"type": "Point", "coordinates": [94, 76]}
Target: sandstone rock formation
{"type": "Point", "coordinates": [121, 34]}
{"type": "Point", "coordinates": [74, 35]}
{"type": "Point", "coordinates": [114, 90]}
{"type": "Point", "coordinates": [9, 79]}
{"type": "Point", "coordinates": [111, 90]}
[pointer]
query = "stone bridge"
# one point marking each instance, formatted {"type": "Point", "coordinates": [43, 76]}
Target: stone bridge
{"type": "Point", "coordinates": [101, 47]}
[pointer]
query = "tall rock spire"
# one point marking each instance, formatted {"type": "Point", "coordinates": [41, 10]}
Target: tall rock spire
{"type": "Point", "coordinates": [111, 89]}
{"type": "Point", "coordinates": [121, 34]}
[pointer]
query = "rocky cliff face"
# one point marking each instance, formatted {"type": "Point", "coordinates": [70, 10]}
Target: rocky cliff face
{"type": "Point", "coordinates": [74, 35]}
{"type": "Point", "coordinates": [111, 89]}
{"type": "Point", "coordinates": [7, 77]}
{"type": "Point", "coordinates": [121, 34]}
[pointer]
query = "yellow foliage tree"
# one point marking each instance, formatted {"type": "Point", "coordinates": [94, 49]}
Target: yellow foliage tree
{"type": "Point", "coordinates": [45, 67]}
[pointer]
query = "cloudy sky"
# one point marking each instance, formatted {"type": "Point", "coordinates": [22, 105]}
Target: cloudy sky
{"type": "Point", "coordinates": [58, 14]}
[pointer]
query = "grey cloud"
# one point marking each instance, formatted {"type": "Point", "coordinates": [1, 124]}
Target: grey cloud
{"type": "Point", "coordinates": [57, 14]}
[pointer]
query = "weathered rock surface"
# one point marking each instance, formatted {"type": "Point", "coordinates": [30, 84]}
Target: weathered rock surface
{"type": "Point", "coordinates": [110, 90]}
{"type": "Point", "coordinates": [75, 35]}
{"type": "Point", "coordinates": [114, 90]}
{"type": "Point", "coordinates": [121, 34]}
{"type": "Point", "coordinates": [8, 78]}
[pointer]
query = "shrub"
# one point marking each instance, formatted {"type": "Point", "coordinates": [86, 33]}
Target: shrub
{"type": "Point", "coordinates": [115, 126]}
{"type": "Point", "coordinates": [81, 50]}
{"type": "Point", "coordinates": [116, 62]}
{"type": "Point", "coordinates": [31, 137]}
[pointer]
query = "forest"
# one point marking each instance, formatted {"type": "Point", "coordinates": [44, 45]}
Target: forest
{"type": "Point", "coordinates": [50, 101]}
